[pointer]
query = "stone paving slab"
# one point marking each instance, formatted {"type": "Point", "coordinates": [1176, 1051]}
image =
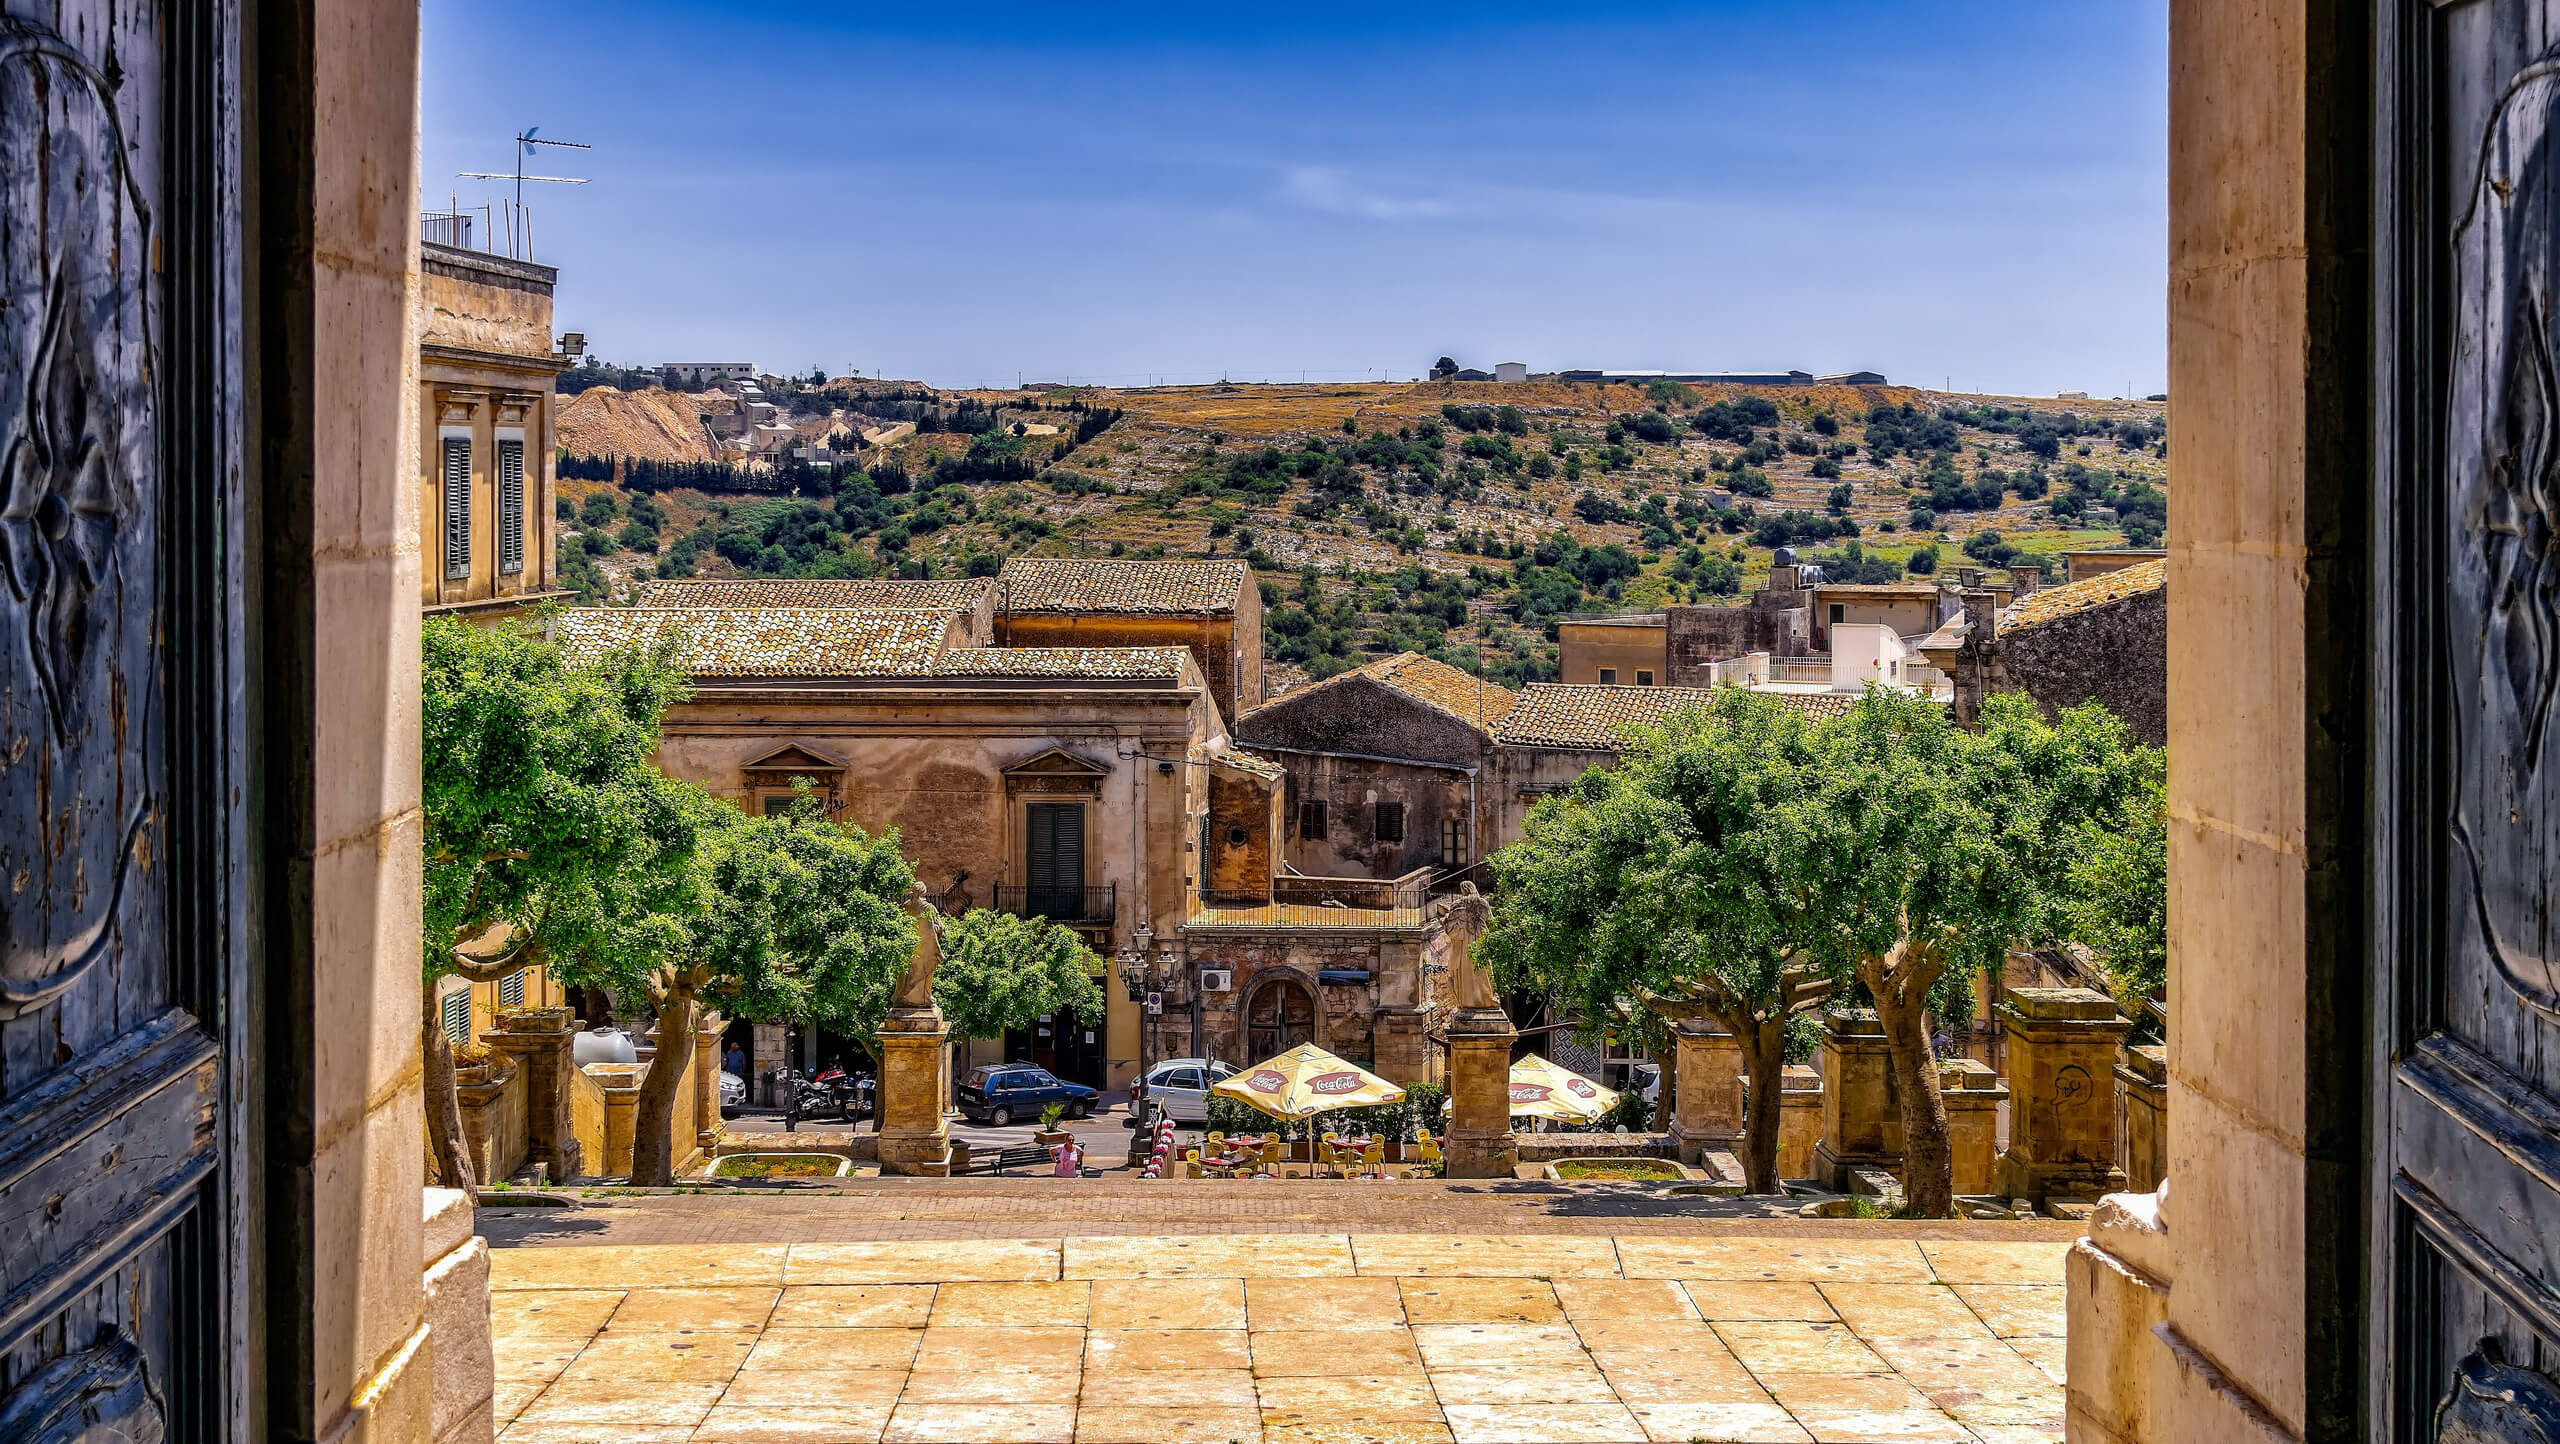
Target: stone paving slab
{"type": "Point", "coordinates": [1386, 1338]}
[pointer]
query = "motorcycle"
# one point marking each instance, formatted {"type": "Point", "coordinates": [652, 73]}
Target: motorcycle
{"type": "Point", "coordinates": [832, 1092]}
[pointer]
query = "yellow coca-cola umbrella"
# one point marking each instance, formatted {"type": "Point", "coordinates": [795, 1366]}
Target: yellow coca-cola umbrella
{"type": "Point", "coordinates": [1540, 1089]}
{"type": "Point", "coordinates": [1306, 1081]}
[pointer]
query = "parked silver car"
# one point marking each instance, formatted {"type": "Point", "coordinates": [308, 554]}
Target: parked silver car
{"type": "Point", "coordinates": [1180, 1086]}
{"type": "Point", "coordinates": [733, 1094]}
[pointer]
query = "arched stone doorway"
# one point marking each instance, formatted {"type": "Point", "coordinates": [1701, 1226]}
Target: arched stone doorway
{"type": "Point", "coordinates": [1281, 1015]}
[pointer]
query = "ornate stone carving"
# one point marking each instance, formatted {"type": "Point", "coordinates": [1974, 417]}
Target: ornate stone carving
{"type": "Point", "coordinates": [79, 689]}
{"type": "Point", "coordinates": [101, 1395]}
{"type": "Point", "coordinates": [2494, 1402]}
{"type": "Point", "coordinates": [915, 990]}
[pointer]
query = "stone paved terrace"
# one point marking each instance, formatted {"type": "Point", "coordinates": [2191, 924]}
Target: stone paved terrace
{"type": "Point", "coordinates": [1740, 1330]}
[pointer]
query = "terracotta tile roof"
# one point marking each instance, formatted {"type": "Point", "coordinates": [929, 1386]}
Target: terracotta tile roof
{"type": "Point", "coordinates": [748, 642]}
{"type": "Point", "coordinates": [2098, 591]}
{"type": "Point", "coordinates": [1551, 714]}
{"type": "Point", "coordinates": [1101, 663]}
{"type": "Point", "coordinates": [1238, 760]}
{"type": "Point", "coordinates": [1471, 699]}
{"type": "Point", "coordinates": [959, 594]}
{"type": "Point", "coordinates": [1055, 584]}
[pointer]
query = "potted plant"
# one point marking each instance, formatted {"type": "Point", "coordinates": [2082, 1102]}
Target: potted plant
{"type": "Point", "coordinates": [473, 1063]}
{"type": "Point", "coordinates": [1049, 1134]}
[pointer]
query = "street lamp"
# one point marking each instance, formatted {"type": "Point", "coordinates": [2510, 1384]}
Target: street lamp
{"type": "Point", "coordinates": [1136, 967]}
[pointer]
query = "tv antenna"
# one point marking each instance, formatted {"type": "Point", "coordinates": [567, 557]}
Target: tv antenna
{"type": "Point", "coordinates": [525, 140]}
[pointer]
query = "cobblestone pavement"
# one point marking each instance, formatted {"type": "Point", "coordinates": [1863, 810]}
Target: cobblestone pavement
{"type": "Point", "coordinates": [1840, 1334]}
{"type": "Point", "coordinates": [1032, 1207]}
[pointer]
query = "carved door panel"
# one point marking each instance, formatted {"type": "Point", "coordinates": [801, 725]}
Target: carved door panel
{"type": "Point", "coordinates": [118, 947]}
{"type": "Point", "coordinates": [2465, 1283]}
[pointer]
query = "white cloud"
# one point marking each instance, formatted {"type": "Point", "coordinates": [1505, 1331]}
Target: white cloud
{"type": "Point", "coordinates": [1325, 188]}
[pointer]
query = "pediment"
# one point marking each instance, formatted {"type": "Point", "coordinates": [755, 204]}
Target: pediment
{"type": "Point", "coordinates": [1057, 762]}
{"type": "Point", "coordinates": [793, 757]}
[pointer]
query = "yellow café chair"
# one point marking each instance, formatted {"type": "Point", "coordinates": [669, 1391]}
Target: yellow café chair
{"type": "Point", "coordinates": [1426, 1146]}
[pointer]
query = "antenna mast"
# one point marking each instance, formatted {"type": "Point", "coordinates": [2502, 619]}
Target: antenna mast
{"type": "Point", "coordinates": [525, 140]}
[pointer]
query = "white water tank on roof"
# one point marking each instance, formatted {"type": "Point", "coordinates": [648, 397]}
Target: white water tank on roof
{"type": "Point", "coordinates": [602, 1045]}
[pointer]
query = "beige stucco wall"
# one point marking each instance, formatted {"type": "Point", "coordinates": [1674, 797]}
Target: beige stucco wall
{"type": "Point", "coordinates": [1583, 648]}
{"type": "Point", "coordinates": [485, 366]}
{"type": "Point", "coordinates": [932, 763]}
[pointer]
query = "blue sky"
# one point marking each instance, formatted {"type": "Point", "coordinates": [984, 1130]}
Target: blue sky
{"type": "Point", "coordinates": [964, 193]}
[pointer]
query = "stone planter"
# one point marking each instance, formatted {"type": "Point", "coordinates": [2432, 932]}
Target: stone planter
{"type": "Point", "coordinates": [832, 1166]}
{"type": "Point", "coordinates": [532, 1020]}
{"type": "Point", "coordinates": [1050, 1137]}
{"type": "Point", "coordinates": [1673, 1171]}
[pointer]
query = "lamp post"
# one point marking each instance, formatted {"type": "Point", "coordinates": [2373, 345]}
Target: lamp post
{"type": "Point", "coordinates": [1136, 965]}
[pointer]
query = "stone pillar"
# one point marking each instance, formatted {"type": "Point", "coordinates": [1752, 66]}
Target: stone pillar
{"type": "Point", "coordinates": [2062, 1129]}
{"type": "Point", "coordinates": [706, 1087]}
{"type": "Point", "coordinates": [481, 1098]}
{"type": "Point", "coordinates": [1401, 1051]}
{"type": "Point", "coordinates": [2142, 1082]}
{"type": "Point", "coordinates": [1480, 1144]}
{"type": "Point", "coordinates": [457, 1296]}
{"type": "Point", "coordinates": [1861, 1120]}
{"type": "Point", "coordinates": [1799, 1121]}
{"type": "Point", "coordinates": [1973, 1096]}
{"type": "Point", "coordinates": [1707, 1080]}
{"type": "Point", "coordinates": [914, 1137]}
{"type": "Point", "coordinates": [621, 1085]}
{"type": "Point", "coordinates": [539, 1039]}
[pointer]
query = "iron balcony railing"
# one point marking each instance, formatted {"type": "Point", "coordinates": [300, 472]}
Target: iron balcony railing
{"type": "Point", "coordinates": [446, 228]}
{"type": "Point", "coordinates": [1061, 905]}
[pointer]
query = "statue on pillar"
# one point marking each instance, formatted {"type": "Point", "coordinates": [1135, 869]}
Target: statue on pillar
{"type": "Point", "coordinates": [1463, 919]}
{"type": "Point", "coordinates": [915, 990]}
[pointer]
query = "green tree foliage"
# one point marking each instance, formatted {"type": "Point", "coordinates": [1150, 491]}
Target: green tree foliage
{"type": "Point", "coordinates": [1668, 886]}
{"type": "Point", "coordinates": [1001, 972]}
{"type": "Point", "coordinates": [538, 797]}
{"type": "Point", "coordinates": [2119, 902]}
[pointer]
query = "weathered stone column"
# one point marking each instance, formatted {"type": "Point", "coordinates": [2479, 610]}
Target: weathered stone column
{"type": "Point", "coordinates": [2142, 1081]}
{"type": "Point", "coordinates": [1972, 1094]}
{"type": "Point", "coordinates": [1861, 1120]}
{"type": "Point", "coordinates": [1707, 1080]}
{"type": "Point", "coordinates": [2062, 1129]}
{"type": "Point", "coordinates": [539, 1039]}
{"type": "Point", "coordinates": [483, 1099]}
{"type": "Point", "coordinates": [706, 1085]}
{"type": "Point", "coordinates": [1799, 1121]}
{"type": "Point", "coordinates": [621, 1084]}
{"type": "Point", "coordinates": [914, 1138]}
{"type": "Point", "coordinates": [1480, 1144]}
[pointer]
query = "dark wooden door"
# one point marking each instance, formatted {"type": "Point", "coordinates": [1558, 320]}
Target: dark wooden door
{"type": "Point", "coordinates": [118, 568]}
{"type": "Point", "coordinates": [1282, 1015]}
{"type": "Point", "coordinates": [2464, 1288]}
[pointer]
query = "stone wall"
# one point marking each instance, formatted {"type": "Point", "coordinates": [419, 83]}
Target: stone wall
{"type": "Point", "coordinates": [2116, 655]}
{"type": "Point", "coordinates": [1378, 1024]}
{"type": "Point", "coordinates": [1234, 673]}
{"type": "Point", "coordinates": [494, 1118]}
{"type": "Point", "coordinates": [1779, 622]}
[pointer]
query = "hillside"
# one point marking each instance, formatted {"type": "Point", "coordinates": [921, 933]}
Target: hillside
{"type": "Point", "coordinates": [1457, 519]}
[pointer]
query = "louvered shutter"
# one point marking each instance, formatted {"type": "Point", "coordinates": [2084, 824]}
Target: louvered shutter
{"type": "Point", "coordinates": [511, 990]}
{"type": "Point", "coordinates": [511, 506]}
{"type": "Point", "coordinates": [457, 1015]}
{"type": "Point", "coordinates": [1057, 859]}
{"type": "Point", "coordinates": [457, 507]}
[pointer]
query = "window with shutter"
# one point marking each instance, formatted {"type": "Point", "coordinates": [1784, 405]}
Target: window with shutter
{"type": "Point", "coordinates": [511, 991]}
{"type": "Point", "coordinates": [1311, 819]}
{"type": "Point", "coordinates": [1056, 856]}
{"type": "Point", "coordinates": [457, 1015]}
{"type": "Point", "coordinates": [457, 507]}
{"type": "Point", "coordinates": [511, 506]}
{"type": "Point", "coordinates": [1390, 822]}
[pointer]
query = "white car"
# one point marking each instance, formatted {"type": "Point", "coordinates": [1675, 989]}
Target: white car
{"type": "Point", "coordinates": [1180, 1087]}
{"type": "Point", "coordinates": [733, 1094]}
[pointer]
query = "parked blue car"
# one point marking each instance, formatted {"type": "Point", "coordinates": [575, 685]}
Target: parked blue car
{"type": "Point", "coordinates": [999, 1093]}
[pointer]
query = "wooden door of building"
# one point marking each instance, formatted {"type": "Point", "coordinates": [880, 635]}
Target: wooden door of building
{"type": "Point", "coordinates": [120, 980]}
{"type": "Point", "coordinates": [2463, 1282]}
{"type": "Point", "coordinates": [1281, 1016]}
{"type": "Point", "coordinates": [1056, 859]}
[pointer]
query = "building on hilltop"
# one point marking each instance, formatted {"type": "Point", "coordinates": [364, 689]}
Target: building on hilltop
{"type": "Point", "coordinates": [2081, 566]}
{"type": "Point", "coordinates": [703, 373]}
{"type": "Point", "coordinates": [487, 369]}
{"type": "Point", "coordinates": [1212, 607]}
{"type": "Point", "coordinates": [1510, 371]}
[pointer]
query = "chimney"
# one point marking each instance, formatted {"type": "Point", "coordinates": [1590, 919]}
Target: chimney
{"type": "Point", "coordinates": [2023, 581]}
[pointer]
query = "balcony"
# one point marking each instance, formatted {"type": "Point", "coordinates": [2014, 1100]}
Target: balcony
{"type": "Point", "coordinates": [1082, 906]}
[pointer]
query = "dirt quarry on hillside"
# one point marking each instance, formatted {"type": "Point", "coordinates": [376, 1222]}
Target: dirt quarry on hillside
{"type": "Point", "coordinates": [655, 424]}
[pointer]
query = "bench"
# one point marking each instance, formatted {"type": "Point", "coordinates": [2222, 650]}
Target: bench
{"type": "Point", "coordinates": [1026, 1155]}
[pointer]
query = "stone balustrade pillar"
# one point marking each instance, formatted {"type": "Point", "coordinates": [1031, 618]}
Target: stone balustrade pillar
{"type": "Point", "coordinates": [2062, 1046]}
{"type": "Point", "coordinates": [482, 1099]}
{"type": "Point", "coordinates": [621, 1084]}
{"type": "Point", "coordinates": [1480, 1143]}
{"type": "Point", "coordinates": [1973, 1096]}
{"type": "Point", "coordinates": [1861, 1117]}
{"type": "Point", "coordinates": [706, 1087]}
{"type": "Point", "coordinates": [1799, 1119]}
{"type": "Point", "coordinates": [1706, 1073]}
{"type": "Point", "coordinates": [2142, 1080]}
{"type": "Point", "coordinates": [915, 1137]}
{"type": "Point", "coordinates": [539, 1039]}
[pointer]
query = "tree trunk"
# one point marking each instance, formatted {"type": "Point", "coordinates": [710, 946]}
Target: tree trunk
{"type": "Point", "coordinates": [1764, 1062]}
{"type": "Point", "coordinates": [448, 1142]}
{"type": "Point", "coordinates": [653, 1116]}
{"type": "Point", "coordinates": [1901, 991]}
{"type": "Point", "coordinates": [1666, 1097]}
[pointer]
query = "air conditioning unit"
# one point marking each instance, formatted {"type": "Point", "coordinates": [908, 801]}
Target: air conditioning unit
{"type": "Point", "coordinates": [1217, 980]}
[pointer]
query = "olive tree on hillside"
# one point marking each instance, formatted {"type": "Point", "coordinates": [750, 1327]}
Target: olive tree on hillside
{"type": "Point", "coordinates": [1670, 884]}
{"type": "Point", "coordinates": [539, 805]}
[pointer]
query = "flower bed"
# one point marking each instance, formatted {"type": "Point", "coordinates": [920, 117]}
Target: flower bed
{"type": "Point", "coordinates": [781, 1165]}
{"type": "Point", "coordinates": [1616, 1170]}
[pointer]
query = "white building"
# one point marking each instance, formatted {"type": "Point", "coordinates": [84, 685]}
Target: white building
{"type": "Point", "coordinates": [1510, 370]}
